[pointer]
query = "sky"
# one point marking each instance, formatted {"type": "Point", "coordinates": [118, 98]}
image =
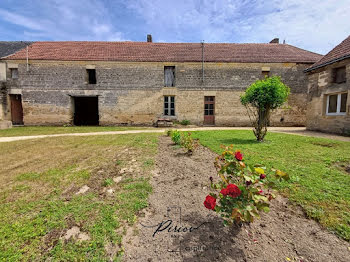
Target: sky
{"type": "Point", "coordinates": [316, 26]}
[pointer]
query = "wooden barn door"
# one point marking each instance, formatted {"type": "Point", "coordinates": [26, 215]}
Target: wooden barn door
{"type": "Point", "coordinates": [209, 110]}
{"type": "Point", "coordinates": [16, 109]}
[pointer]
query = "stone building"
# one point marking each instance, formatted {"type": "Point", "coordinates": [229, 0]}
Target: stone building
{"type": "Point", "coordinates": [329, 91]}
{"type": "Point", "coordinates": [7, 48]}
{"type": "Point", "coordinates": [137, 83]}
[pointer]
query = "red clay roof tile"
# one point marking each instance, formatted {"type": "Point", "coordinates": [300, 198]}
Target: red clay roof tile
{"type": "Point", "coordinates": [165, 52]}
{"type": "Point", "coordinates": [340, 51]}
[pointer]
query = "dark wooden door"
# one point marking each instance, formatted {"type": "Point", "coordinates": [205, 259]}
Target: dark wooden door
{"type": "Point", "coordinates": [16, 109]}
{"type": "Point", "coordinates": [209, 110]}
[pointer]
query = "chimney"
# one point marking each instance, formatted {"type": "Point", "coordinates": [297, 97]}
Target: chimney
{"type": "Point", "coordinates": [149, 38]}
{"type": "Point", "coordinates": [275, 41]}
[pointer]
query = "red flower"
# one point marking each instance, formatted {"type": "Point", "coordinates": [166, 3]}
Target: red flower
{"type": "Point", "coordinates": [224, 191]}
{"type": "Point", "coordinates": [233, 190]}
{"type": "Point", "coordinates": [210, 202]}
{"type": "Point", "coordinates": [238, 155]}
{"type": "Point", "coordinates": [262, 176]}
{"type": "Point", "coordinates": [261, 192]}
{"type": "Point", "coordinates": [248, 182]}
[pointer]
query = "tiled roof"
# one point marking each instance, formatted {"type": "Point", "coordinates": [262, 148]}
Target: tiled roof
{"type": "Point", "coordinates": [341, 51]}
{"type": "Point", "coordinates": [165, 52]}
{"type": "Point", "coordinates": [10, 47]}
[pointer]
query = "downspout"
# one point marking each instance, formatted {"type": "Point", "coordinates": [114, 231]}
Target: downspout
{"type": "Point", "coordinates": [27, 60]}
{"type": "Point", "coordinates": [202, 61]}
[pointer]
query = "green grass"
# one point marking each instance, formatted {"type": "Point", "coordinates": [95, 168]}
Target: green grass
{"type": "Point", "coordinates": [49, 130]}
{"type": "Point", "coordinates": [38, 199]}
{"type": "Point", "coordinates": [317, 182]}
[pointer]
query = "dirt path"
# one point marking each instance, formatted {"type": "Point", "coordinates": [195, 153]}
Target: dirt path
{"type": "Point", "coordinates": [180, 185]}
{"type": "Point", "coordinates": [288, 130]}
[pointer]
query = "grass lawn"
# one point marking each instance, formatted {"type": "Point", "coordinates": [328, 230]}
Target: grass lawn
{"type": "Point", "coordinates": [38, 200]}
{"type": "Point", "coordinates": [49, 130]}
{"type": "Point", "coordinates": [318, 182]}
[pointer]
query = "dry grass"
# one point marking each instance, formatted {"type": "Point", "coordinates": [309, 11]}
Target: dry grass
{"type": "Point", "coordinates": [39, 179]}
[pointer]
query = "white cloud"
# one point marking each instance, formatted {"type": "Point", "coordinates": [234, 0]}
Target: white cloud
{"type": "Point", "coordinates": [20, 20]}
{"type": "Point", "coordinates": [64, 20]}
{"type": "Point", "coordinates": [316, 26]}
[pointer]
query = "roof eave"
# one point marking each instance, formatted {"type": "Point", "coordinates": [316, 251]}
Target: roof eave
{"type": "Point", "coordinates": [327, 63]}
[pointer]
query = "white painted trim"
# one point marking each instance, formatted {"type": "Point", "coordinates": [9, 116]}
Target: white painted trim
{"type": "Point", "coordinates": [338, 113]}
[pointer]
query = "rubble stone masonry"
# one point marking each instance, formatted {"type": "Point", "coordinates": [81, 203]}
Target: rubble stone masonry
{"type": "Point", "coordinates": [132, 92]}
{"type": "Point", "coordinates": [321, 85]}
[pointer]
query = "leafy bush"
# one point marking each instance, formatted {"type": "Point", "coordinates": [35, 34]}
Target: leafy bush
{"type": "Point", "coordinates": [185, 122]}
{"type": "Point", "coordinates": [260, 98]}
{"type": "Point", "coordinates": [176, 137]}
{"type": "Point", "coordinates": [188, 142]}
{"type": "Point", "coordinates": [169, 132]}
{"type": "Point", "coordinates": [244, 190]}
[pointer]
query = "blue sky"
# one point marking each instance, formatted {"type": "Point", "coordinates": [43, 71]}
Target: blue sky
{"type": "Point", "coordinates": [313, 25]}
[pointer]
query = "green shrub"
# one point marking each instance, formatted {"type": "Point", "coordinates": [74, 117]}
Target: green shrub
{"type": "Point", "coordinates": [243, 192]}
{"type": "Point", "coordinates": [176, 137]}
{"type": "Point", "coordinates": [185, 122]}
{"type": "Point", "coordinates": [188, 142]}
{"type": "Point", "coordinates": [169, 132]}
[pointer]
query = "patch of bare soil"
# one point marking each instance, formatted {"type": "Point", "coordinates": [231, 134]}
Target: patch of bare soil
{"type": "Point", "coordinates": [189, 232]}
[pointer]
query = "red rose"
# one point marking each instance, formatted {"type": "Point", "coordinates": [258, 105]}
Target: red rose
{"type": "Point", "coordinates": [261, 192]}
{"type": "Point", "coordinates": [238, 155]}
{"type": "Point", "coordinates": [233, 190]}
{"type": "Point", "coordinates": [262, 176]}
{"type": "Point", "coordinates": [210, 202]}
{"type": "Point", "coordinates": [224, 191]}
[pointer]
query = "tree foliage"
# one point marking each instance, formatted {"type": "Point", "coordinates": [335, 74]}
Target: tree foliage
{"type": "Point", "coordinates": [260, 98]}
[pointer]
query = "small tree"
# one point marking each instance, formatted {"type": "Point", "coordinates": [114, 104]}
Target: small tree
{"type": "Point", "coordinates": [260, 98]}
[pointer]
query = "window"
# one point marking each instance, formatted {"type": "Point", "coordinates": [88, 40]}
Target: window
{"type": "Point", "coordinates": [265, 74]}
{"type": "Point", "coordinates": [91, 74]}
{"type": "Point", "coordinates": [169, 75]}
{"type": "Point", "coordinates": [209, 102]}
{"type": "Point", "coordinates": [336, 104]}
{"type": "Point", "coordinates": [169, 105]}
{"type": "Point", "coordinates": [339, 75]}
{"type": "Point", "coordinates": [14, 73]}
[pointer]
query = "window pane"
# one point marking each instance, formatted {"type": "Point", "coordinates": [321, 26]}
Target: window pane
{"type": "Point", "coordinates": [332, 106]}
{"type": "Point", "coordinates": [211, 112]}
{"type": "Point", "coordinates": [14, 73]}
{"type": "Point", "coordinates": [172, 105]}
{"type": "Point", "coordinates": [172, 99]}
{"type": "Point", "coordinates": [340, 75]}
{"type": "Point", "coordinates": [206, 112]}
{"type": "Point", "coordinates": [169, 76]}
{"type": "Point", "coordinates": [211, 106]}
{"type": "Point", "coordinates": [166, 112]}
{"type": "Point", "coordinates": [166, 98]}
{"type": "Point", "coordinates": [344, 98]}
{"type": "Point", "coordinates": [206, 106]}
{"type": "Point", "coordinates": [172, 112]}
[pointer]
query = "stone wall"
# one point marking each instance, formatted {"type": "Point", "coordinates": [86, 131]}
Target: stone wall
{"type": "Point", "coordinates": [132, 93]}
{"type": "Point", "coordinates": [320, 84]}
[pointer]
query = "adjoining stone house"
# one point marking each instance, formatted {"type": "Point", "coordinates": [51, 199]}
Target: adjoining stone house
{"type": "Point", "coordinates": [7, 48]}
{"type": "Point", "coordinates": [116, 83]}
{"type": "Point", "coordinates": [329, 91]}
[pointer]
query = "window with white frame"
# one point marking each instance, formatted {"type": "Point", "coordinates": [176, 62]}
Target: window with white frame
{"type": "Point", "coordinates": [336, 104]}
{"type": "Point", "coordinates": [169, 105]}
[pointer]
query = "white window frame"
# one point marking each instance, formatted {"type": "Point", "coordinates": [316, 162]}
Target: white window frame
{"type": "Point", "coordinates": [338, 113]}
{"type": "Point", "coordinates": [169, 106]}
